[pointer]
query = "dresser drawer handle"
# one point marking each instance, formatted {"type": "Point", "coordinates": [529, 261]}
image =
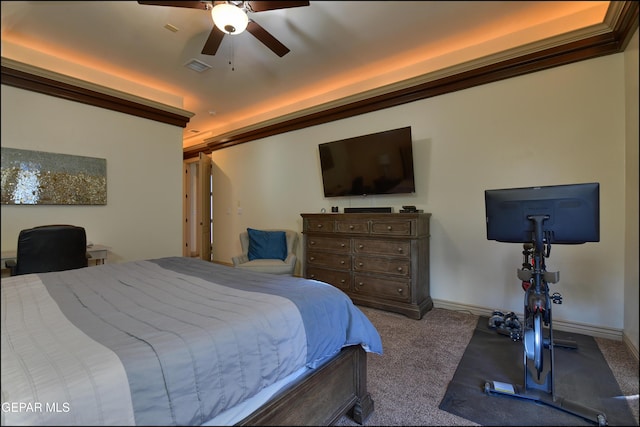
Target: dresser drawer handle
{"type": "Point", "coordinates": [319, 225]}
{"type": "Point", "coordinates": [400, 290]}
{"type": "Point", "coordinates": [313, 242]}
{"type": "Point", "coordinates": [342, 281]}
{"type": "Point", "coordinates": [389, 227]}
{"type": "Point", "coordinates": [350, 226]}
{"type": "Point", "coordinates": [312, 258]}
{"type": "Point", "coordinates": [342, 262]}
{"type": "Point", "coordinates": [361, 246]}
{"type": "Point", "coordinates": [360, 264]}
{"type": "Point", "coordinates": [360, 284]}
{"type": "Point", "coordinates": [400, 250]}
{"type": "Point", "coordinates": [312, 276]}
{"type": "Point", "coordinates": [342, 245]}
{"type": "Point", "coordinates": [400, 269]}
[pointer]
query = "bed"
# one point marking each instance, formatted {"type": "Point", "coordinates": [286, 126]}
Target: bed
{"type": "Point", "coordinates": [180, 341]}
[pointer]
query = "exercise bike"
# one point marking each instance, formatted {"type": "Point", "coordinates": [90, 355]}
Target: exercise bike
{"type": "Point", "coordinates": [538, 345]}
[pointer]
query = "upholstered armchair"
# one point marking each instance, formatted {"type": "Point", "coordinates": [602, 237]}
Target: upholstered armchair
{"type": "Point", "coordinates": [50, 248]}
{"type": "Point", "coordinates": [267, 251]}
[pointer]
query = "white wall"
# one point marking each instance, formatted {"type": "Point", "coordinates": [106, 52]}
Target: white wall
{"type": "Point", "coordinates": [563, 125]}
{"type": "Point", "coordinates": [143, 215]}
{"type": "Point", "coordinates": [631, 170]}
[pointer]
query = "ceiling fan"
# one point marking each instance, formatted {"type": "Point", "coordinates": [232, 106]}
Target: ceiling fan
{"type": "Point", "coordinates": [230, 17]}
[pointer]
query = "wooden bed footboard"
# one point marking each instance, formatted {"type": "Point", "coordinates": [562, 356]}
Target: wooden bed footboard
{"type": "Point", "coordinates": [323, 396]}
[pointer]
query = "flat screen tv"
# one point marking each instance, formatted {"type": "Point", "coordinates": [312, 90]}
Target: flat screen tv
{"type": "Point", "coordinates": [378, 163]}
{"type": "Point", "coordinates": [571, 213]}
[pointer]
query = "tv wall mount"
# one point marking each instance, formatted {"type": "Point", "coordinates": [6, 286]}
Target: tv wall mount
{"type": "Point", "coordinates": [538, 383]}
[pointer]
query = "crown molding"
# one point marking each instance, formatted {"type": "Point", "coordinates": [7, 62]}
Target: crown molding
{"type": "Point", "coordinates": [36, 79]}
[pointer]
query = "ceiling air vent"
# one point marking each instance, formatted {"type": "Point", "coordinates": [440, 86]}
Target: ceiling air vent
{"type": "Point", "coordinates": [198, 66]}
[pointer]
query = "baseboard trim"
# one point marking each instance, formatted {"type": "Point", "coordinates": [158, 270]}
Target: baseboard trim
{"type": "Point", "coordinates": [630, 346]}
{"type": "Point", "coordinates": [581, 328]}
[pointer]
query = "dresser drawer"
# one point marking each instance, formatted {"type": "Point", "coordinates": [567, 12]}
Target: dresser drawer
{"type": "Point", "coordinates": [333, 244]}
{"type": "Point", "coordinates": [395, 266]}
{"type": "Point", "coordinates": [382, 247]}
{"type": "Point", "coordinates": [320, 225]}
{"type": "Point", "coordinates": [396, 289]}
{"type": "Point", "coordinates": [393, 227]}
{"type": "Point", "coordinates": [352, 226]}
{"type": "Point", "coordinates": [326, 259]}
{"type": "Point", "coordinates": [339, 279]}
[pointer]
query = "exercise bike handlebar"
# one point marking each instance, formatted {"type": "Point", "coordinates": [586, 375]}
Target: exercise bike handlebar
{"type": "Point", "coordinates": [538, 238]}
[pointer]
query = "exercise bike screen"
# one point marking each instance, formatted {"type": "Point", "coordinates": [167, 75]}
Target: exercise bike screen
{"type": "Point", "coordinates": [572, 213]}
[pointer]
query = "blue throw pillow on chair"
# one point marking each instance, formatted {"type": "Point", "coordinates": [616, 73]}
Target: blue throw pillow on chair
{"type": "Point", "coordinates": [267, 244]}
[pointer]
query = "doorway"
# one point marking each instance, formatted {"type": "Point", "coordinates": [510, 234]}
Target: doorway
{"type": "Point", "coordinates": [197, 232]}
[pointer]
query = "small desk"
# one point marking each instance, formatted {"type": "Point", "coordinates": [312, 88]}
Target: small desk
{"type": "Point", "coordinates": [98, 254]}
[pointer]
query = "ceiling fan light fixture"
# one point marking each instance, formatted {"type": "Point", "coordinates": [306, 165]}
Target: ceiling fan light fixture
{"type": "Point", "coordinates": [229, 19]}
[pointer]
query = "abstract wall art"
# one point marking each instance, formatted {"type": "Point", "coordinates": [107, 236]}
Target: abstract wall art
{"type": "Point", "coordinates": [41, 178]}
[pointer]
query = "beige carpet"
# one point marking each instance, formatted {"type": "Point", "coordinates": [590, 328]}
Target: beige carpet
{"type": "Point", "coordinates": [420, 357]}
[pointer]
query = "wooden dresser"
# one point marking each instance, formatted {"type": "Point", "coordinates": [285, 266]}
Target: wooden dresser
{"type": "Point", "coordinates": [380, 260]}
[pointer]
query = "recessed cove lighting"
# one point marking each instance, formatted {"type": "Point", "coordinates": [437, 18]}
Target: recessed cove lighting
{"type": "Point", "coordinates": [197, 65]}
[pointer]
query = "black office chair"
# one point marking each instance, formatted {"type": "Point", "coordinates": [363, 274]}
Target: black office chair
{"type": "Point", "coordinates": [50, 248]}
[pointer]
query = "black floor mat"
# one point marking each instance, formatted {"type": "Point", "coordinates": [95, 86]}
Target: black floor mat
{"type": "Point", "coordinates": [580, 375]}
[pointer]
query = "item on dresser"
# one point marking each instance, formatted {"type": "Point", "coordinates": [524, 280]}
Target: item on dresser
{"type": "Point", "coordinates": [380, 260]}
{"type": "Point", "coordinates": [369, 210]}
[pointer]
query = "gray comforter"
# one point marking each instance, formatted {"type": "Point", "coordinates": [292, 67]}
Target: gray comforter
{"type": "Point", "coordinates": [170, 341]}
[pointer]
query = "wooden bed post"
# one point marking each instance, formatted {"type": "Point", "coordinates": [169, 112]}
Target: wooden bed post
{"type": "Point", "coordinates": [364, 404]}
{"type": "Point", "coordinates": [323, 396]}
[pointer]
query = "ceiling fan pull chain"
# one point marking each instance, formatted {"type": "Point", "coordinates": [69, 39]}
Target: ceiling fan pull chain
{"type": "Point", "coordinates": [232, 60]}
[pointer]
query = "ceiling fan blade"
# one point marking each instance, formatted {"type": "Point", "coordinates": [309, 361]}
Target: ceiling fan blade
{"type": "Point", "coordinates": [213, 42]}
{"type": "Point", "coordinates": [188, 4]}
{"type": "Point", "coordinates": [267, 39]}
{"type": "Point", "coordinates": [259, 6]}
